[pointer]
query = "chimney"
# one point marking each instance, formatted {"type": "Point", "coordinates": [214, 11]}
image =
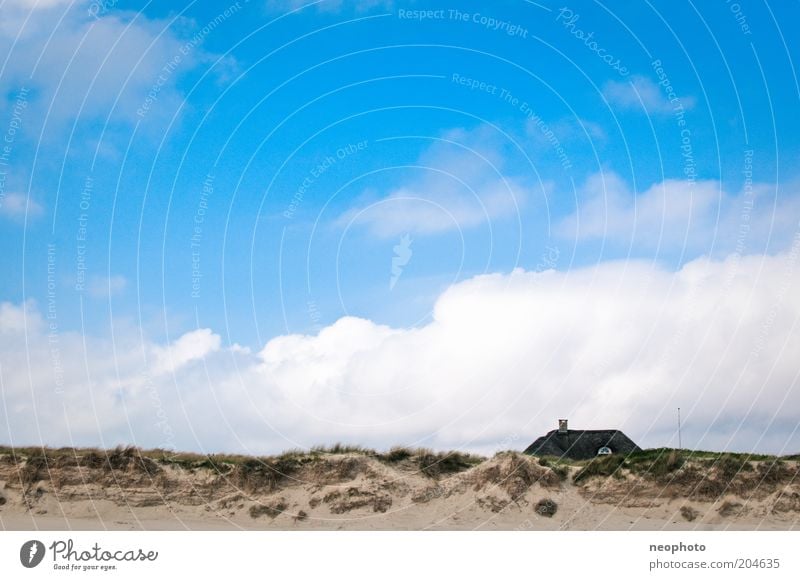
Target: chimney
{"type": "Point", "coordinates": [562, 426]}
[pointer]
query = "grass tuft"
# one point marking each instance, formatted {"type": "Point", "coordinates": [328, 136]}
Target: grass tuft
{"type": "Point", "coordinates": [272, 510]}
{"type": "Point", "coordinates": [435, 465]}
{"type": "Point", "coordinates": [689, 513]}
{"type": "Point", "coordinates": [396, 454]}
{"type": "Point", "coordinates": [600, 467]}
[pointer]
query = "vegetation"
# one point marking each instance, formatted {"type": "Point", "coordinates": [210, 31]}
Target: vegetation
{"type": "Point", "coordinates": [600, 466]}
{"type": "Point", "coordinates": [546, 508]}
{"type": "Point", "coordinates": [515, 473]}
{"type": "Point", "coordinates": [509, 477]}
{"type": "Point", "coordinates": [437, 464]}
{"type": "Point", "coordinates": [689, 513]}
{"type": "Point", "coordinates": [704, 472]}
{"type": "Point", "coordinates": [396, 454]}
{"type": "Point", "coordinates": [710, 471]}
{"type": "Point", "coordinates": [272, 510]}
{"type": "Point", "coordinates": [729, 466]}
{"type": "Point", "coordinates": [341, 449]}
{"type": "Point", "coordinates": [655, 462]}
{"type": "Point", "coordinates": [39, 461]}
{"type": "Point", "coordinates": [730, 509]}
{"type": "Point", "coordinates": [559, 467]}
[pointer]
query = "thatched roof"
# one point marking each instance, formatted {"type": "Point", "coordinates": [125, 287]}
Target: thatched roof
{"type": "Point", "coordinates": [577, 444]}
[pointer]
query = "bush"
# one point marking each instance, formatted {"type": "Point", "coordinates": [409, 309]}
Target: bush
{"type": "Point", "coordinates": [35, 468]}
{"type": "Point", "coordinates": [546, 507]}
{"type": "Point", "coordinates": [562, 471]}
{"type": "Point", "coordinates": [776, 472]}
{"type": "Point", "coordinates": [729, 466]}
{"type": "Point", "coordinates": [689, 513]}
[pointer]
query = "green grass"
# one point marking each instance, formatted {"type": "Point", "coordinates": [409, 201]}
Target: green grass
{"type": "Point", "coordinates": [660, 463]}
{"type": "Point", "coordinates": [604, 466]}
{"type": "Point", "coordinates": [559, 467]}
{"type": "Point", "coordinates": [729, 465]}
{"type": "Point", "coordinates": [655, 462]}
{"type": "Point", "coordinates": [664, 465]}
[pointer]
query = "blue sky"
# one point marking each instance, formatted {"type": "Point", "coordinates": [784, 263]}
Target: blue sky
{"type": "Point", "coordinates": [260, 170]}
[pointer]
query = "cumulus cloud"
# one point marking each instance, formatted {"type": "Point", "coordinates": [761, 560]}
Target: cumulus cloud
{"type": "Point", "coordinates": [78, 62]}
{"type": "Point", "coordinates": [698, 217]}
{"type": "Point", "coordinates": [190, 347]}
{"type": "Point", "coordinates": [36, 4]}
{"type": "Point", "coordinates": [16, 206]}
{"type": "Point", "coordinates": [458, 182]}
{"type": "Point", "coordinates": [641, 93]}
{"type": "Point", "coordinates": [614, 345]}
{"type": "Point", "coordinates": [83, 390]}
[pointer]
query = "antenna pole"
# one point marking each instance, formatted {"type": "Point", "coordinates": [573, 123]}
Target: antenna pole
{"type": "Point", "coordinates": [680, 445]}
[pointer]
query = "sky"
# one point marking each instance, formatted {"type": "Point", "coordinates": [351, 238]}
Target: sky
{"type": "Point", "coordinates": [270, 224]}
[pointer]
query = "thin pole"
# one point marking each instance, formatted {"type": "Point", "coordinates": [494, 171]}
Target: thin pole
{"type": "Point", "coordinates": [680, 445]}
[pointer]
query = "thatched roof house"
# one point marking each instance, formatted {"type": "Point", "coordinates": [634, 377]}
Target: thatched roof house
{"type": "Point", "coordinates": [577, 444]}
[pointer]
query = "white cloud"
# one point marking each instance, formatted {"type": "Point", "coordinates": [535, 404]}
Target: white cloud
{"type": "Point", "coordinates": [105, 286]}
{"type": "Point", "coordinates": [615, 345]}
{"type": "Point", "coordinates": [458, 183]}
{"type": "Point", "coordinates": [16, 205]}
{"type": "Point", "coordinates": [90, 390]}
{"type": "Point", "coordinates": [328, 5]}
{"type": "Point", "coordinates": [695, 216]}
{"type": "Point", "coordinates": [641, 92]}
{"type": "Point", "coordinates": [192, 346]}
{"type": "Point", "coordinates": [35, 4]}
{"type": "Point", "coordinates": [92, 65]}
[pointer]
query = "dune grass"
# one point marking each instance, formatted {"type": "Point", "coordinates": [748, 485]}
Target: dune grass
{"type": "Point", "coordinates": [427, 461]}
{"type": "Point", "coordinates": [663, 463]}
{"type": "Point", "coordinates": [656, 463]}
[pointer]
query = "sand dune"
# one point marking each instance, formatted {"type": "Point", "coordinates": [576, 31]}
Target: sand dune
{"type": "Point", "coordinates": [402, 489]}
